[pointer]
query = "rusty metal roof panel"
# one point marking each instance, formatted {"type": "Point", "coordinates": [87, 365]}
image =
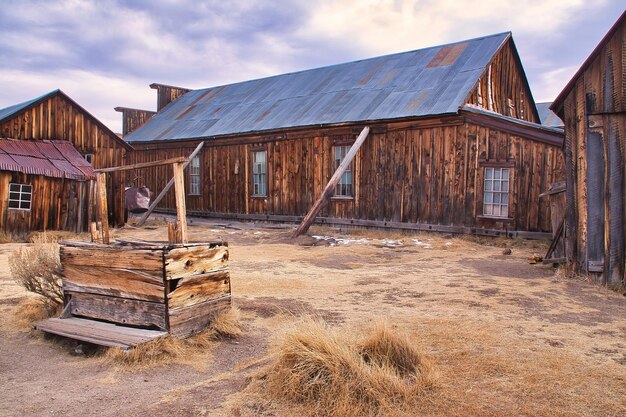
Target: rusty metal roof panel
{"type": "Point", "coordinates": [424, 82]}
{"type": "Point", "coordinates": [58, 159]}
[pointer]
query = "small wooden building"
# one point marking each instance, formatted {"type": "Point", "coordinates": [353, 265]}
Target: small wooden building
{"type": "Point", "coordinates": [455, 145]}
{"type": "Point", "coordinates": [43, 185]}
{"type": "Point", "coordinates": [55, 116]}
{"type": "Point", "coordinates": [593, 108]}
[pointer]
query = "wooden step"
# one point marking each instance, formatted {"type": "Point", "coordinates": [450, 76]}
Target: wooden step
{"type": "Point", "coordinates": [99, 333]}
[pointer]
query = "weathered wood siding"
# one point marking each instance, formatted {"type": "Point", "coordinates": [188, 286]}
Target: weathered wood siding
{"type": "Point", "coordinates": [503, 87]}
{"type": "Point", "coordinates": [133, 118]}
{"type": "Point", "coordinates": [175, 288]}
{"type": "Point", "coordinates": [594, 114]}
{"type": "Point", "coordinates": [59, 118]}
{"type": "Point", "coordinates": [419, 172]}
{"type": "Point", "coordinates": [167, 93]}
{"type": "Point", "coordinates": [57, 204]}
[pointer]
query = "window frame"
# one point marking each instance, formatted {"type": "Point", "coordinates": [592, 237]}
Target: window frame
{"type": "Point", "coordinates": [88, 157]}
{"type": "Point", "coordinates": [19, 199]}
{"type": "Point", "coordinates": [193, 175]}
{"type": "Point", "coordinates": [262, 175]}
{"type": "Point", "coordinates": [490, 189]}
{"type": "Point", "coordinates": [350, 170]}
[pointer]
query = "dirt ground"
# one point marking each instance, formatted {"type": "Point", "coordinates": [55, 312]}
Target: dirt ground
{"type": "Point", "coordinates": [507, 338]}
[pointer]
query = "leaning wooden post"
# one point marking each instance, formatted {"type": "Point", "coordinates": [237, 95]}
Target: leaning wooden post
{"type": "Point", "coordinates": [104, 212]}
{"type": "Point", "coordinates": [181, 209]}
{"type": "Point", "coordinates": [330, 187]}
{"type": "Point", "coordinates": [167, 187]}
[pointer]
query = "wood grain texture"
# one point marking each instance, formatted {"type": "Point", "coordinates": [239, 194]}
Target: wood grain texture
{"type": "Point", "coordinates": [186, 321]}
{"type": "Point", "coordinates": [182, 262]}
{"type": "Point", "coordinates": [594, 104]}
{"type": "Point", "coordinates": [118, 310]}
{"type": "Point", "coordinates": [196, 289]}
{"type": "Point", "coordinates": [116, 282]}
{"type": "Point", "coordinates": [144, 260]}
{"type": "Point", "coordinates": [99, 333]}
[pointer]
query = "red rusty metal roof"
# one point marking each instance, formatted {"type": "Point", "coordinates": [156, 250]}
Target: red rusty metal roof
{"type": "Point", "coordinates": [51, 158]}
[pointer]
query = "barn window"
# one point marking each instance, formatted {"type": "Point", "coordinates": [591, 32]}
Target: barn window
{"type": "Point", "coordinates": [194, 176]}
{"type": "Point", "coordinates": [344, 186]}
{"type": "Point", "coordinates": [259, 174]}
{"type": "Point", "coordinates": [496, 193]}
{"type": "Point", "coordinates": [88, 157]}
{"type": "Point", "coordinates": [20, 196]}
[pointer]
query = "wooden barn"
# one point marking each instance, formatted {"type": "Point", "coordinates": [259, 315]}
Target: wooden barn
{"type": "Point", "coordinates": [55, 116]}
{"type": "Point", "coordinates": [593, 108]}
{"type": "Point", "coordinates": [455, 143]}
{"type": "Point", "coordinates": [43, 185]}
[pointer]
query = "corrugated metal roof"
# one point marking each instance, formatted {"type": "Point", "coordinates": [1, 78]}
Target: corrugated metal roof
{"type": "Point", "coordinates": [10, 111]}
{"type": "Point", "coordinates": [424, 82]}
{"type": "Point", "coordinates": [51, 158]}
{"type": "Point", "coordinates": [548, 117]}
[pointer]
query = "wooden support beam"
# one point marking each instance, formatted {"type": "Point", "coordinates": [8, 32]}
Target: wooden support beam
{"type": "Point", "coordinates": [330, 187]}
{"type": "Point", "coordinates": [104, 212]}
{"type": "Point", "coordinates": [143, 165]}
{"type": "Point", "coordinates": [157, 200]}
{"type": "Point", "coordinates": [181, 209]}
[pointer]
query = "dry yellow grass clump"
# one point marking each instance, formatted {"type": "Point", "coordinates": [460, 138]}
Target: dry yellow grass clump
{"type": "Point", "coordinates": [328, 374]}
{"type": "Point", "coordinates": [37, 269]}
{"type": "Point", "coordinates": [170, 349]}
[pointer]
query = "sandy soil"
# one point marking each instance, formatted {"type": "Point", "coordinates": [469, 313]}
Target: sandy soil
{"type": "Point", "coordinates": [508, 338]}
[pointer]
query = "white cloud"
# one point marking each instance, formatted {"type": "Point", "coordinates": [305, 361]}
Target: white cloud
{"type": "Point", "coordinates": [382, 26]}
{"type": "Point", "coordinates": [98, 94]}
{"type": "Point", "coordinates": [550, 83]}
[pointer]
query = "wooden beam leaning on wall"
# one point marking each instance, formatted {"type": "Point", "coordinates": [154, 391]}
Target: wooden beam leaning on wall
{"type": "Point", "coordinates": [143, 165]}
{"type": "Point", "coordinates": [330, 187]}
{"type": "Point", "coordinates": [156, 201]}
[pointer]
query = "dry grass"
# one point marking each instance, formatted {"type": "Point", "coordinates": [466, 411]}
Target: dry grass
{"type": "Point", "coordinates": [328, 374]}
{"type": "Point", "coordinates": [32, 310]}
{"type": "Point", "coordinates": [37, 269]}
{"type": "Point", "coordinates": [169, 349]}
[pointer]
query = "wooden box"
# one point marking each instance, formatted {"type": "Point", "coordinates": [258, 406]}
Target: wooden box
{"type": "Point", "coordinates": [173, 288]}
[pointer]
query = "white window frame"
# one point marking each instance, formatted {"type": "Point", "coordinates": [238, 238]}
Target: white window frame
{"type": "Point", "coordinates": [22, 194]}
{"type": "Point", "coordinates": [88, 157]}
{"type": "Point", "coordinates": [194, 176]}
{"type": "Point", "coordinates": [345, 186]}
{"type": "Point", "coordinates": [496, 192]}
{"type": "Point", "coordinates": [259, 173]}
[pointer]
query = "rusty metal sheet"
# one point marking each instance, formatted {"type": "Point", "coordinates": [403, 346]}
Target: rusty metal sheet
{"type": "Point", "coordinates": [58, 159]}
{"type": "Point", "coordinates": [430, 81]}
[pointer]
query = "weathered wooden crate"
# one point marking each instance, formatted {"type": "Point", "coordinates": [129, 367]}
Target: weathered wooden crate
{"type": "Point", "coordinates": [167, 288]}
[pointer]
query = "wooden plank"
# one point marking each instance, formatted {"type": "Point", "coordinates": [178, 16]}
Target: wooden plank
{"type": "Point", "coordinates": [169, 185]}
{"type": "Point", "coordinates": [196, 260]}
{"type": "Point", "coordinates": [118, 310]}
{"type": "Point", "coordinates": [181, 210]}
{"type": "Point", "coordinates": [186, 321]}
{"type": "Point", "coordinates": [199, 288]}
{"type": "Point", "coordinates": [125, 283]}
{"type": "Point", "coordinates": [180, 159]}
{"type": "Point", "coordinates": [99, 333]}
{"type": "Point", "coordinates": [104, 212]}
{"type": "Point", "coordinates": [145, 260]}
{"type": "Point", "coordinates": [330, 187]}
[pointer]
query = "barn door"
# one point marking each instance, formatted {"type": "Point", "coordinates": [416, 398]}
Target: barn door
{"type": "Point", "coordinates": [595, 201]}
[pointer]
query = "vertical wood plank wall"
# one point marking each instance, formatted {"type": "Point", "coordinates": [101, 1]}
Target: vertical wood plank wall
{"type": "Point", "coordinates": [597, 104]}
{"type": "Point", "coordinates": [57, 204]}
{"type": "Point", "coordinates": [504, 80]}
{"type": "Point", "coordinates": [407, 174]}
{"type": "Point", "coordinates": [58, 118]}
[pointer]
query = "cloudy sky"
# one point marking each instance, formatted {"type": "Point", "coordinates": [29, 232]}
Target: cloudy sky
{"type": "Point", "coordinates": [106, 53]}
